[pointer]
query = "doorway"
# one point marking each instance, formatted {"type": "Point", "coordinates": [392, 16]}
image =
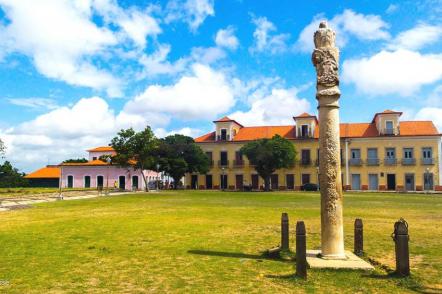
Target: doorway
{"type": "Point", "coordinates": [356, 182]}
{"type": "Point", "coordinates": [290, 181]}
{"type": "Point", "coordinates": [373, 182]}
{"type": "Point", "coordinates": [391, 182]}
{"type": "Point", "coordinates": [122, 182]}
{"type": "Point", "coordinates": [70, 181]}
{"type": "Point", "coordinates": [135, 183]}
{"type": "Point", "coordinates": [274, 182]}
{"type": "Point", "coordinates": [209, 183]}
{"type": "Point", "coordinates": [194, 184]}
{"type": "Point", "coordinates": [239, 180]}
{"type": "Point", "coordinates": [428, 181]}
{"type": "Point", "coordinates": [409, 182]}
{"type": "Point", "coordinates": [223, 180]}
{"type": "Point", "coordinates": [100, 181]}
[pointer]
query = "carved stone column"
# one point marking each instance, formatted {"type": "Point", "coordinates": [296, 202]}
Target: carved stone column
{"type": "Point", "coordinates": [326, 61]}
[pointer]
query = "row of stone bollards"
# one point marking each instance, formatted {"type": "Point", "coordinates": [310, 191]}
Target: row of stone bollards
{"type": "Point", "coordinates": [400, 237]}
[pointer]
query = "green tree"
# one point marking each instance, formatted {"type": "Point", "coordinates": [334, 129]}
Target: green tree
{"type": "Point", "coordinates": [268, 155]}
{"type": "Point", "coordinates": [76, 160]}
{"type": "Point", "coordinates": [10, 177]}
{"type": "Point", "coordinates": [135, 149]}
{"type": "Point", "coordinates": [178, 154]}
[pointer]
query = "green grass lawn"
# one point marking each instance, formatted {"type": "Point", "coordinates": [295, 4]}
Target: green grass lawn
{"type": "Point", "coordinates": [199, 242]}
{"type": "Point", "coordinates": [29, 191]}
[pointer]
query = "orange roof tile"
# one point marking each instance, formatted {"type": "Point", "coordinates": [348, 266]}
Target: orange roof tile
{"type": "Point", "coordinates": [48, 172]}
{"type": "Point", "coordinates": [304, 115]}
{"type": "Point", "coordinates": [101, 149]}
{"type": "Point", "coordinates": [347, 130]}
{"type": "Point", "coordinates": [227, 119]}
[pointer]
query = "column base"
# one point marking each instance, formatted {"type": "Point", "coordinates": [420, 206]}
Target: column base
{"type": "Point", "coordinates": [351, 262]}
{"type": "Point", "coordinates": [333, 256]}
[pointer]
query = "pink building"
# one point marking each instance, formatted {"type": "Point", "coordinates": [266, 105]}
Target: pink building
{"type": "Point", "coordinates": [96, 173]}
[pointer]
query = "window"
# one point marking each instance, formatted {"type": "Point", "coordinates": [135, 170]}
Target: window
{"type": "Point", "coordinates": [94, 158]}
{"type": "Point", "coordinates": [305, 156]}
{"type": "Point", "coordinates": [223, 134]}
{"type": "Point", "coordinates": [238, 158]}
{"type": "Point", "coordinates": [304, 131]}
{"type": "Point", "coordinates": [87, 181]}
{"type": "Point", "coordinates": [408, 153]}
{"type": "Point", "coordinates": [355, 153]}
{"type": "Point", "coordinates": [223, 156]}
{"type": "Point", "coordinates": [427, 152]}
{"type": "Point", "coordinates": [389, 125]}
{"type": "Point", "coordinates": [390, 153]}
{"type": "Point", "coordinates": [372, 153]}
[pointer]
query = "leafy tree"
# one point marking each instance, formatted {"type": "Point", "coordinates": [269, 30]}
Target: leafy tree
{"type": "Point", "coordinates": [76, 160]}
{"type": "Point", "coordinates": [135, 149]}
{"type": "Point", "coordinates": [10, 177]}
{"type": "Point", "coordinates": [268, 155]}
{"type": "Point", "coordinates": [178, 154]}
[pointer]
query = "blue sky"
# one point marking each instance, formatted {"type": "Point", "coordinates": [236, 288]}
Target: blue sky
{"type": "Point", "coordinates": [74, 72]}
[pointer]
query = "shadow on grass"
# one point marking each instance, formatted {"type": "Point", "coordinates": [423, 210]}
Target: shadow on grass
{"type": "Point", "coordinates": [407, 282]}
{"type": "Point", "coordinates": [236, 255]}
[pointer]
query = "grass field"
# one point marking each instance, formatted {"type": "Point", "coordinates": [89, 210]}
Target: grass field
{"type": "Point", "coordinates": [25, 192]}
{"type": "Point", "coordinates": [199, 242]}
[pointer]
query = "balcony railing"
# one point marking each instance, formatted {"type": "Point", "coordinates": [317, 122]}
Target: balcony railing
{"type": "Point", "coordinates": [223, 138]}
{"type": "Point", "coordinates": [305, 136]}
{"type": "Point", "coordinates": [372, 161]}
{"type": "Point", "coordinates": [305, 161]}
{"type": "Point", "coordinates": [390, 131]}
{"type": "Point", "coordinates": [427, 161]}
{"type": "Point", "coordinates": [223, 163]}
{"type": "Point", "coordinates": [355, 162]}
{"type": "Point", "coordinates": [390, 161]}
{"type": "Point", "coordinates": [238, 163]}
{"type": "Point", "coordinates": [408, 161]}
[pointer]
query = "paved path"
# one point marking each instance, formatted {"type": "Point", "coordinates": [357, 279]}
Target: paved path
{"type": "Point", "coordinates": [13, 203]}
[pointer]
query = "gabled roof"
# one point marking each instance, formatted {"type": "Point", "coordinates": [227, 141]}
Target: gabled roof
{"type": "Point", "coordinates": [48, 172]}
{"type": "Point", "coordinates": [347, 130]}
{"type": "Point", "coordinates": [305, 115]}
{"type": "Point", "coordinates": [227, 119]}
{"type": "Point", "coordinates": [101, 149]}
{"type": "Point", "coordinates": [387, 111]}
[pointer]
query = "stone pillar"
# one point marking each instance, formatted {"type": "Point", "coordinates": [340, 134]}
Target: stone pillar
{"type": "Point", "coordinates": [325, 58]}
{"type": "Point", "coordinates": [285, 231]}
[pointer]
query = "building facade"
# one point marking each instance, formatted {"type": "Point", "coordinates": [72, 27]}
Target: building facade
{"type": "Point", "coordinates": [384, 154]}
{"type": "Point", "coordinates": [94, 174]}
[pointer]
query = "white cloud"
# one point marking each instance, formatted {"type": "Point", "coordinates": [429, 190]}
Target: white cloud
{"type": "Point", "coordinates": [276, 108]}
{"type": "Point", "coordinates": [417, 37]}
{"type": "Point", "coordinates": [265, 38]}
{"type": "Point", "coordinates": [431, 113]}
{"type": "Point", "coordinates": [392, 8]}
{"type": "Point", "coordinates": [202, 95]}
{"type": "Point", "coordinates": [191, 132]}
{"type": "Point", "coordinates": [347, 24]}
{"type": "Point", "coordinates": [193, 12]}
{"type": "Point", "coordinates": [226, 38]}
{"type": "Point", "coordinates": [207, 55]}
{"type": "Point", "coordinates": [400, 72]}
{"type": "Point", "coordinates": [157, 63]}
{"type": "Point", "coordinates": [34, 103]}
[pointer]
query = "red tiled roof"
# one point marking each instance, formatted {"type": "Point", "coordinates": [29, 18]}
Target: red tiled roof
{"type": "Point", "coordinates": [304, 115]}
{"type": "Point", "coordinates": [347, 130]}
{"type": "Point", "coordinates": [48, 172]}
{"type": "Point", "coordinates": [101, 149]}
{"type": "Point", "coordinates": [227, 119]}
{"type": "Point", "coordinates": [387, 111]}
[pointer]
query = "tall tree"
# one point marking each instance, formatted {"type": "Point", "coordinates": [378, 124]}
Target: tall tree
{"type": "Point", "coordinates": [268, 155]}
{"type": "Point", "coordinates": [135, 149]}
{"type": "Point", "coordinates": [178, 154]}
{"type": "Point", "coordinates": [10, 177]}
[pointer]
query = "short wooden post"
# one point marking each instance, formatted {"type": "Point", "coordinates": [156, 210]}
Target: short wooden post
{"type": "Point", "coordinates": [301, 250]}
{"type": "Point", "coordinates": [359, 238]}
{"type": "Point", "coordinates": [401, 238]}
{"type": "Point", "coordinates": [285, 231]}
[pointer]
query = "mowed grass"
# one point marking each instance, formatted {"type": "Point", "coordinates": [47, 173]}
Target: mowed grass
{"type": "Point", "coordinates": [34, 192]}
{"type": "Point", "coordinates": [200, 242]}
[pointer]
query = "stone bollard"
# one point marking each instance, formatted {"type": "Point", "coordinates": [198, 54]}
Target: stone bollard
{"type": "Point", "coordinates": [359, 238]}
{"type": "Point", "coordinates": [400, 237]}
{"type": "Point", "coordinates": [301, 250]}
{"type": "Point", "coordinates": [285, 231]}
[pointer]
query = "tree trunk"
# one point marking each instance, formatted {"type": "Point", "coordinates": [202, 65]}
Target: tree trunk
{"type": "Point", "coordinates": [267, 183]}
{"type": "Point", "coordinates": [146, 188]}
{"type": "Point", "coordinates": [176, 182]}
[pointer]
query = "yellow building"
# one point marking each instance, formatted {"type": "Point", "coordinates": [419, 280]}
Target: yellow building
{"type": "Point", "coordinates": [384, 154]}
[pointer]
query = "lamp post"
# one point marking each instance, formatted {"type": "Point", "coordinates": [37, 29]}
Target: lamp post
{"type": "Point", "coordinates": [317, 178]}
{"type": "Point", "coordinates": [108, 161]}
{"type": "Point", "coordinates": [427, 180]}
{"type": "Point", "coordinates": [222, 178]}
{"type": "Point", "coordinates": [158, 176]}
